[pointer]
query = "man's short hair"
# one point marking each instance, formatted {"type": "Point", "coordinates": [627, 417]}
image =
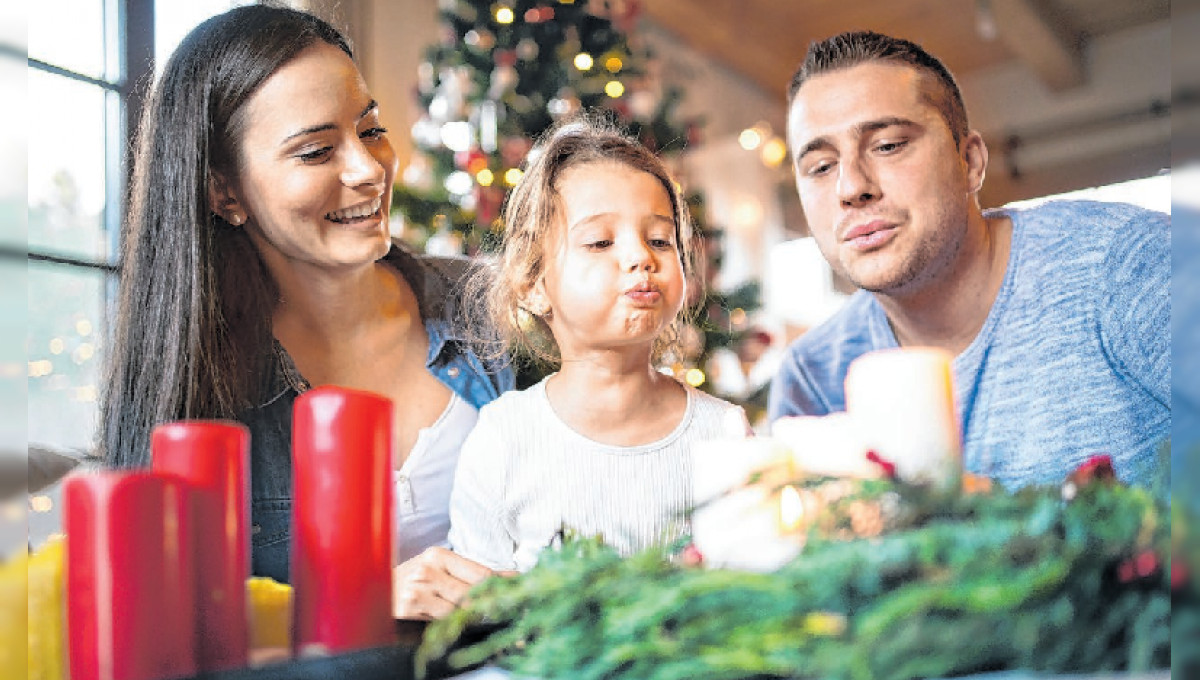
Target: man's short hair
{"type": "Point", "coordinates": [856, 47]}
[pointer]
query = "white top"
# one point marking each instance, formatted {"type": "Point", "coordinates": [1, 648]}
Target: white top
{"type": "Point", "coordinates": [524, 474]}
{"type": "Point", "coordinates": [422, 485]}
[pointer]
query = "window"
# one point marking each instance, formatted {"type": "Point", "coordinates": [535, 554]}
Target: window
{"type": "Point", "coordinates": [86, 81]}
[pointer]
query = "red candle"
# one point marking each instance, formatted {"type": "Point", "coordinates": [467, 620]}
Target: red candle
{"type": "Point", "coordinates": [130, 577]}
{"type": "Point", "coordinates": [341, 563]}
{"type": "Point", "coordinates": [212, 457]}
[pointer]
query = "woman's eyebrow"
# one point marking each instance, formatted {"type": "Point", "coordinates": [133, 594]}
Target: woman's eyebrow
{"type": "Point", "coordinates": [328, 126]}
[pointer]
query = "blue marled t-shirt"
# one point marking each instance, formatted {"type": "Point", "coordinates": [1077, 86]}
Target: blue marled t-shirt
{"type": "Point", "coordinates": [1074, 357]}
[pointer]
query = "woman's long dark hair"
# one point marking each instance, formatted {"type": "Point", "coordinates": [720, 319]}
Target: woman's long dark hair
{"type": "Point", "coordinates": [193, 326]}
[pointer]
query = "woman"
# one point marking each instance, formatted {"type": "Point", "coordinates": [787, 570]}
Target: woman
{"type": "Point", "coordinates": [258, 262]}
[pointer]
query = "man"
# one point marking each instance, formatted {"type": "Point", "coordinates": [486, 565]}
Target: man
{"type": "Point", "coordinates": [1058, 316]}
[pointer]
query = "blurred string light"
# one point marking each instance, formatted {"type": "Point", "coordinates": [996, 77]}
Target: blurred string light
{"type": "Point", "coordinates": [512, 176]}
{"type": "Point", "coordinates": [40, 368]}
{"type": "Point", "coordinates": [458, 182]}
{"type": "Point", "coordinates": [773, 152]}
{"type": "Point", "coordinates": [41, 503]}
{"type": "Point", "coordinates": [504, 14]}
{"type": "Point", "coordinates": [83, 353]}
{"type": "Point", "coordinates": [750, 138]}
{"type": "Point", "coordinates": [583, 61]}
{"type": "Point", "coordinates": [485, 177]}
{"type": "Point", "coordinates": [614, 89]}
{"type": "Point", "coordinates": [613, 64]}
{"type": "Point", "coordinates": [695, 377]}
{"type": "Point", "coordinates": [83, 327]}
{"type": "Point", "coordinates": [57, 346]}
{"type": "Point", "coordinates": [456, 135]}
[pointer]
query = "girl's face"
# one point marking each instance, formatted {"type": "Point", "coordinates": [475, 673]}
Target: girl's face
{"type": "Point", "coordinates": [613, 275]}
{"type": "Point", "coordinates": [316, 167]}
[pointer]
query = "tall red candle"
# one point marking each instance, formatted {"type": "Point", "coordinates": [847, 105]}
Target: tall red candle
{"type": "Point", "coordinates": [342, 521]}
{"type": "Point", "coordinates": [130, 579]}
{"type": "Point", "coordinates": [213, 457]}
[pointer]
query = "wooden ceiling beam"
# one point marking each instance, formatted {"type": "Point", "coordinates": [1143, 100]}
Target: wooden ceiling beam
{"type": "Point", "coordinates": [1053, 50]}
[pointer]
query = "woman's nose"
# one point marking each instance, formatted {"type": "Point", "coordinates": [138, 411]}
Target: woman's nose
{"type": "Point", "coordinates": [363, 167]}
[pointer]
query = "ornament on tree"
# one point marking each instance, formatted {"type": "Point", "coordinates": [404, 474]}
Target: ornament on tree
{"type": "Point", "coordinates": [446, 36]}
{"type": "Point", "coordinates": [425, 83]}
{"type": "Point", "coordinates": [527, 49]}
{"type": "Point", "coordinates": [418, 175]}
{"type": "Point", "coordinates": [481, 39]}
{"type": "Point", "coordinates": [444, 241]}
{"type": "Point", "coordinates": [426, 133]}
{"type": "Point", "coordinates": [565, 103]}
{"type": "Point", "coordinates": [625, 14]}
{"type": "Point", "coordinates": [455, 87]}
{"type": "Point", "coordinates": [504, 80]}
{"type": "Point", "coordinates": [536, 15]}
{"type": "Point", "coordinates": [488, 201]}
{"type": "Point", "coordinates": [513, 150]}
{"type": "Point", "coordinates": [642, 105]}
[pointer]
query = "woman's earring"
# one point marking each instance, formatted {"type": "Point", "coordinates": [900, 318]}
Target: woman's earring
{"type": "Point", "coordinates": [236, 219]}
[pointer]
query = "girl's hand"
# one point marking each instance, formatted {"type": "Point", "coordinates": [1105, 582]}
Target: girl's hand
{"type": "Point", "coordinates": [434, 583]}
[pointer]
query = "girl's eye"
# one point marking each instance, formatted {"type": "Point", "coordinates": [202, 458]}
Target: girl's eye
{"type": "Point", "coordinates": [374, 133]}
{"type": "Point", "coordinates": [662, 243]}
{"type": "Point", "coordinates": [598, 245]}
{"type": "Point", "coordinates": [316, 154]}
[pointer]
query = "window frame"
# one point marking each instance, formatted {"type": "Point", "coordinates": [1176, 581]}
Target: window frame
{"type": "Point", "coordinates": [129, 60]}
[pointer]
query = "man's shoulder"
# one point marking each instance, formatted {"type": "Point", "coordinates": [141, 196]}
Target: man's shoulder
{"type": "Point", "coordinates": [850, 325]}
{"type": "Point", "coordinates": [1070, 219]}
{"type": "Point", "coordinates": [810, 378]}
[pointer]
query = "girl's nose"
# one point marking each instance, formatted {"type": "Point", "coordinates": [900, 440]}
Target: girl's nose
{"type": "Point", "coordinates": [638, 255]}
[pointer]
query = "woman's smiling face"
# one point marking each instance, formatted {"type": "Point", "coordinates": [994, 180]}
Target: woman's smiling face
{"type": "Point", "coordinates": [315, 166]}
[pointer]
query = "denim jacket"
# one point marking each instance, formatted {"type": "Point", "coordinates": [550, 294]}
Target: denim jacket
{"type": "Point", "coordinates": [450, 360]}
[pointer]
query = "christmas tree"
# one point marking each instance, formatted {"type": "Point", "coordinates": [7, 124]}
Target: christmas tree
{"type": "Point", "coordinates": [499, 76]}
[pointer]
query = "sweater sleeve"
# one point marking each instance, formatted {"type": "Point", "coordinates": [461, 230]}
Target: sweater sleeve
{"type": "Point", "coordinates": [477, 527]}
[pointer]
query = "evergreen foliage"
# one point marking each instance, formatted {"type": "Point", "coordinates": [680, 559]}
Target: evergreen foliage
{"type": "Point", "coordinates": [958, 584]}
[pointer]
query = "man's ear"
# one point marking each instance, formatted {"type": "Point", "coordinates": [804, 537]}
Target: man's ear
{"type": "Point", "coordinates": [975, 156]}
{"type": "Point", "coordinates": [223, 200]}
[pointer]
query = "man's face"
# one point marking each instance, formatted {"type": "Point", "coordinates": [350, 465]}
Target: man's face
{"type": "Point", "coordinates": [884, 189]}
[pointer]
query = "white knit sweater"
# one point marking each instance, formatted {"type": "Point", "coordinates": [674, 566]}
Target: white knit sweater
{"type": "Point", "coordinates": [523, 475]}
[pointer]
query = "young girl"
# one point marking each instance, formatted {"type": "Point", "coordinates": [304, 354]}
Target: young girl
{"type": "Point", "coordinates": [592, 278]}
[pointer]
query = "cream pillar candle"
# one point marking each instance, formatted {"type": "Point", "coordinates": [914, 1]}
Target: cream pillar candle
{"type": "Point", "coordinates": [902, 401]}
{"type": "Point", "coordinates": [738, 526]}
{"type": "Point", "coordinates": [830, 445]}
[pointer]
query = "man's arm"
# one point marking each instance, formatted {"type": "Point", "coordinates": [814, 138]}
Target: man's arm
{"type": "Point", "coordinates": [794, 392]}
{"type": "Point", "coordinates": [1135, 304]}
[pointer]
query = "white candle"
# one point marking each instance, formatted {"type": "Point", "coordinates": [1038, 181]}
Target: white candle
{"type": "Point", "coordinates": [739, 526]}
{"type": "Point", "coordinates": [830, 445]}
{"type": "Point", "coordinates": [903, 403]}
